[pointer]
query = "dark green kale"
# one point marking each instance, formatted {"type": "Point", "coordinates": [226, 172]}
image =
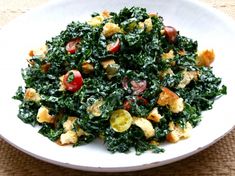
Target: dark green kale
{"type": "Point", "coordinates": [50, 132]}
{"type": "Point", "coordinates": [123, 142]}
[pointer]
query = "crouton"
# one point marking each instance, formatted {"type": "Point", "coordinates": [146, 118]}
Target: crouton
{"type": "Point", "coordinates": [94, 109]}
{"type": "Point", "coordinates": [145, 125]}
{"type": "Point", "coordinates": [146, 24]}
{"type": "Point", "coordinates": [105, 14]}
{"type": "Point", "coordinates": [169, 55]}
{"type": "Point", "coordinates": [205, 58]}
{"type": "Point", "coordinates": [95, 21]}
{"type": "Point", "coordinates": [177, 105]}
{"type": "Point", "coordinates": [31, 95]}
{"type": "Point", "coordinates": [68, 124]}
{"type": "Point", "coordinates": [169, 98]}
{"type": "Point", "coordinates": [107, 62]}
{"type": "Point", "coordinates": [87, 67]}
{"type": "Point", "coordinates": [176, 132]}
{"type": "Point", "coordinates": [166, 97]}
{"type": "Point", "coordinates": [110, 28]}
{"type": "Point", "coordinates": [70, 137]}
{"type": "Point", "coordinates": [154, 115]}
{"type": "Point", "coordinates": [188, 76]}
{"type": "Point", "coordinates": [44, 116]}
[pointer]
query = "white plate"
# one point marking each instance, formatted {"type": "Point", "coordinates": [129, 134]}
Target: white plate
{"type": "Point", "coordinates": [210, 28]}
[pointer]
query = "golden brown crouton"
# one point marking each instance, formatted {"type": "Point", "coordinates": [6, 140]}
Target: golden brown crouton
{"type": "Point", "coordinates": [169, 98]}
{"type": "Point", "coordinates": [188, 76]}
{"type": "Point", "coordinates": [94, 109]}
{"type": "Point", "coordinates": [44, 116]}
{"type": "Point", "coordinates": [107, 62]}
{"type": "Point", "coordinates": [169, 55]}
{"type": "Point", "coordinates": [31, 95]}
{"type": "Point", "coordinates": [105, 14]}
{"type": "Point", "coordinates": [154, 115]}
{"type": "Point", "coordinates": [176, 132]}
{"type": "Point", "coordinates": [166, 97]}
{"type": "Point", "coordinates": [110, 28]}
{"type": "Point", "coordinates": [87, 67]}
{"type": "Point", "coordinates": [70, 137]}
{"type": "Point", "coordinates": [68, 124]}
{"type": "Point", "coordinates": [145, 125]}
{"type": "Point", "coordinates": [205, 58]}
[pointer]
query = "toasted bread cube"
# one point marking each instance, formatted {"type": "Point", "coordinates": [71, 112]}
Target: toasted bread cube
{"type": "Point", "coordinates": [188, 76]}
{"type": "Point", "coordinates": [70, 137]}
{"type": "Point", "coordinates": [68, 124]}
{"type": "Point", "coordinates": [205, 58]}
{"type": "Point", "coordinates": [31, 95]}
{"type": "Point", "coordinates": [149, 25]}
{"type": "Point", "coordinates": [177, 105]}
{"type": "Point", "coordinates": [173, 137]}
{"type": "Point", "coordinates": [106, 63]}
{"type": "Point", "coordinates": [154, 115]}
{"type": "Point", "coordinates": [169, 55]}
{"type": "Point", "coordinates": [105, 14]}
{"type": "Point", "coordinates": [95, 21]}
{"type": "Point", "coordinates": [94, 109]}
{"type": "Point", "coordinates": [169, 98]}
{"type": "Point", "coordinates": [44, 116]}
{"type": "Point", "coordinates": [166, 97]}
{"type": "Point", "coordinates": [145, 125]}
{"type": "Point", "coordinates": [110, 28]}
{"type": "Point", "coordinates": [176, 132]}
{"type": "Point", "coordinates": [87, 67]}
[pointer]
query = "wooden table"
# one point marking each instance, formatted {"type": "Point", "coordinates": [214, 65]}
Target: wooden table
{"type": "Point", "coordinates": [218, 159]}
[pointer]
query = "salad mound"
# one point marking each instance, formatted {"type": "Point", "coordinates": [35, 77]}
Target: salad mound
{"type": "Point", "coordinates": [124, 77]}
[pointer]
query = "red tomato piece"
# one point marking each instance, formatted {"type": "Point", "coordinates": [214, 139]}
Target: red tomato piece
{"type": "Point", "coordinates": [127, 105]}
{"type": "Point", "coordinates": [73, 80]}
{"type": "Point", "coordinates": [114, 47]}
{"type": "Point", "coordinates": [71, 46]}
{"type": "Point", "coordinates": [170, 33]}
{"type": "Point", "coordinates": [142, 101]}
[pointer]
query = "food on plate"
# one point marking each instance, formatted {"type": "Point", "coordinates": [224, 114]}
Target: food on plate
{"type": "Point", "coordinates": [126, 78]}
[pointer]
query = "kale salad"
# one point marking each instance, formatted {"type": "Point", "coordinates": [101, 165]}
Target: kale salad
{"type": "Point", "coordinates": [124, 78]}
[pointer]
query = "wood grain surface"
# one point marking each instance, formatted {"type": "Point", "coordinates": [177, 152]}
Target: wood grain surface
{"type": "Point", "coordinates": [217, 160]}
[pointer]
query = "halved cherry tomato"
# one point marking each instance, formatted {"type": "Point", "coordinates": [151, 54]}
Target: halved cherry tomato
{"type": "Point", "coordinates": [114, 47]}
{"type": "Point", "coordinates": [71, 46]}
{"type": "Point", "coordinates": [170, 33]}
{"type": "Point", "coordinates": [121, 120]}
{"type": "Point", "coordinates": [73, 80]}
{"type": "Point", "coordinates": [138, 86]}
{"type": "Point", "coordinates": [139, 100]}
